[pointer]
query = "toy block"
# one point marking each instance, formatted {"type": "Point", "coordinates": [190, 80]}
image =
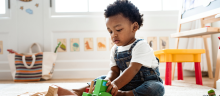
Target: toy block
{"type": "Point", "coordinates": [52, 91]}
{"type": "Point", "coordinates": [104, 94]}
{"type": "Point", "coordinates": [100, 86]}
{"type": "Point", "coordinates": [87, 90]}
{"type": "Point", "coordinates": [100, 89]}
{"type": "Point", "coordinates": [86, 94]}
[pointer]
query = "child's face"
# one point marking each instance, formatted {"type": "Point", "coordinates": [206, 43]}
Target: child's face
{"type": "Point", "coordinates": [121, 29]}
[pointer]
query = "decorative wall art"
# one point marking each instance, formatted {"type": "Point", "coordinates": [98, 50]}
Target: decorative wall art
{"type": "Point", "coordinates": [37, 5]}
{"type": "Point", "coordinates": [164, 43]}
{"type": "Point", "coordinates": [88, 42]}
{"type": "Point", "coordinates": [29, 11]}
{"type": "Point", "coordinates": [152, 41]}
{"type": "Point", "coordinates": [101, 44]}
{"type": "Point", "coordinates": [21, 7]}
{"type": "Point", "coordinates": [63, 44]}
{"type": "Point", "coordinates": [74, 44]}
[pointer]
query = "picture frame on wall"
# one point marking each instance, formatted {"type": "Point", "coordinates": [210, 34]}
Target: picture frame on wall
{"type": "Point", "coordinates": [63, 44]}
{"type": "Point", "coordinates": [152, 41]}
{"type": "Point", "coordinates": [88, 44]}
{"type": "Point", "coordinates": [74, 44]}
{"type": "Point", "coordinates": [101, 44]}
{"type": "Point", "coordinates": [164, 43]}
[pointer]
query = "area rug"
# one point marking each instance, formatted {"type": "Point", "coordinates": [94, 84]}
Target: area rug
{"type": "Point", "coordinates": [178, 88]}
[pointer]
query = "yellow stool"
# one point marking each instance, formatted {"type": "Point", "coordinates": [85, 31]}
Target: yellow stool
{"type": "Point", "coordinates": [179, 56]}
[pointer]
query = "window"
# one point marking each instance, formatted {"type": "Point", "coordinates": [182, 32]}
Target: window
{"type": "Point", "coordinates": [171, 5]}
{"type": "Point", "coordinates": [2, 7]}
{"type": "Point", "coordinates": [71, 6]}
{"type": "Point", "coordinates": [4, 11]}
{"type": "Point", "coordinates": [99, 5]}
{"type": "Point", "coordinates": [67, 7]}
{"type": "Point", "coordinates": [148, 5]}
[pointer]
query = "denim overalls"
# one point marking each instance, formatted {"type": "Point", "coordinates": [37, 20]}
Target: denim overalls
{"type": "Point", "coordinates": [146, 82]}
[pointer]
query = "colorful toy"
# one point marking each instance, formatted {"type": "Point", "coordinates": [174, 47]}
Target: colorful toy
{"type": "Point", "coordinates": [52, 91]}
{"type": "Point", "coordinates": [100, 89]}
{"type": "Point", "coordinates": [211, 92]}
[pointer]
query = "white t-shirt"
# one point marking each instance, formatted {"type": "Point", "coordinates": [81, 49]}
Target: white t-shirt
{"type": "Point", "coordinates": [141, 53]}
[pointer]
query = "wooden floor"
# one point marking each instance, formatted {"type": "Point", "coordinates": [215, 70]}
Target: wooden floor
{"type": "Point", "coordinates": [206, 81]}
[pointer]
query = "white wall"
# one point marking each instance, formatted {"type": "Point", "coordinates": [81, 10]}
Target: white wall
{"type": "Point", "coordinates": [20, 30]}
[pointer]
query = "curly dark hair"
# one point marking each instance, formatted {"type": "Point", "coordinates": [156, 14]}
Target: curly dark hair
{"type": "Point", "coordinates": [128, 9]}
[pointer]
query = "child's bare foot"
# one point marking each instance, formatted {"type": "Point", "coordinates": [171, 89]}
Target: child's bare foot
{"type": "Point", "coordinates": [69, 92]}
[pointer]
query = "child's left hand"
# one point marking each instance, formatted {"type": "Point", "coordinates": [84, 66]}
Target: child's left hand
{"type": "Point", "coordinates": [113, 87]}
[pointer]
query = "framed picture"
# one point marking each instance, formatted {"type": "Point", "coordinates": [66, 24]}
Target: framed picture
{"type": "Point", "coordinates": [152, 41]}
{"type": "Point", "coordinates": [74, 44]}
{"type": "Point", "coordinates": [88, 42]}
{"type": "Point", "coordinates": [62, 47]}
{"type": "Point", "coordinates": [164, 43]}
{"type": "Point", "coordinates": [101, 44]}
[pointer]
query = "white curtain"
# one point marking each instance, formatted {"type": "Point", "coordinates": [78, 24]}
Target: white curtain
{"type": "Point", "coordinates": [195, 43]}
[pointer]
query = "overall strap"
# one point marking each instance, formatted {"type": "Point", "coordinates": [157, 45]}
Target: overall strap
{"type": "Point", "coordinates": [132, 46]}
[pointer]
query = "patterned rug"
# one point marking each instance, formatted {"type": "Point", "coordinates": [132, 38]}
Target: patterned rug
{"type": "Point", "coordinates": [178, 88]}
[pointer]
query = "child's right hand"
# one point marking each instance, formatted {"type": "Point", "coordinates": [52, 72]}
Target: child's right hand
{"type": "Point", "coordinates": [111, 86]}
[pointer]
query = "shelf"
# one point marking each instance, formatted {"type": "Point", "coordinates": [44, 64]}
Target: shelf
{"type": "Point", "coordinates": [196, 32]}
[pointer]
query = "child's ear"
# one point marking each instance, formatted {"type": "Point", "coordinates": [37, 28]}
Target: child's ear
{"type": "Point", "coordinates": [135, 26]}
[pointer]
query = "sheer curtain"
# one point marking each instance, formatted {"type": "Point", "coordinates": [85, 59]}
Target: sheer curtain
{"type": "Point", "coordinates": [196, 43]}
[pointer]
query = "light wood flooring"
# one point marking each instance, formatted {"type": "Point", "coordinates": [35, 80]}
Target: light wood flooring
{"type": "Point", "coordinates": [206, 81]}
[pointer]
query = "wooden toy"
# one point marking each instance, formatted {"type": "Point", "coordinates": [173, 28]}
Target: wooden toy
{"type": "Point", "coordinates": [100, 89]}
{"type": "Point", "coordinates": [33, 94]}
{"type": "Point", "coordinates": [52, 91]}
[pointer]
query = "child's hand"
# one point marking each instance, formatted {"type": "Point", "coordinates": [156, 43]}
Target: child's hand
{"type": "Point", "coordinates": [112, 86]}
